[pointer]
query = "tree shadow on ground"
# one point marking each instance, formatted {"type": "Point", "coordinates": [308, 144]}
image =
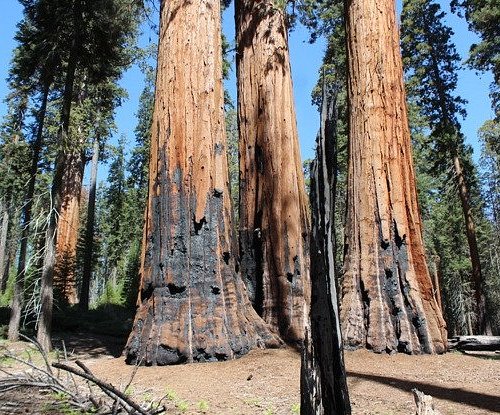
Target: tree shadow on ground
{"type": "Point", "coordinates": [88, 345]}
{"type": "Point", "coordinates": [459, 395]}
{"type": "Point", "coordinates": [93, 333]}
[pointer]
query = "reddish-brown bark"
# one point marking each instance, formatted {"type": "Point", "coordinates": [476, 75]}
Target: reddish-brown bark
{"type": "Point", "coordinates": [192, 304]}
{"type": "Point", "coordinates": [67, 230]}
{"type": "Point", "coordinates": [388, 302]}
{"type": "Point", "coordinates": [274, 221]}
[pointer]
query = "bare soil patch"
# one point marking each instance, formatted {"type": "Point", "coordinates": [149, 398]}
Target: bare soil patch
{"type": "Point", "coordinates": [267, 381]}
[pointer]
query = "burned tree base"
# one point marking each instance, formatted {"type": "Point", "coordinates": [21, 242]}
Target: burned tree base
{"type": "Point", "coordinates": [161, 338]}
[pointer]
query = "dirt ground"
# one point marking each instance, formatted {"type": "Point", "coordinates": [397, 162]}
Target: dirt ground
{"type": "Point", "coordinates": [267, 381]}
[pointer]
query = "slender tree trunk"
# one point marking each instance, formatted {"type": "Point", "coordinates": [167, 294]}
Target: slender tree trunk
{"type": "Point", "coordinates": [323, 378]}
{"type": "Point", "coordinates": [482, 326]}
{"type": "Point", "coordinates": [4, 231]}
{"type": "Point", "coordinates": [388, 302]}
{"type": "Point", "coordinates": [192, 304]}
{"type": "Point", "coordinates": [89, 230]}
{"type": "Point", "coordinates": [274, 222]}
{"type": "Point", "coordinates": [63, 159]}
{"type": "Point", "coordinates": [18, 298]}
{"type": "Point", "coordinates": [436, 278]}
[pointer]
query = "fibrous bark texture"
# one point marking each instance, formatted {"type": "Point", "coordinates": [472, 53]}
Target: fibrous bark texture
{"type": "Point", "coordinates": [67, 232]}
{"type": "Point", "coordinates": [323, 386]}
{"type": "Point", "coordinates": [388, 302]}
{"type": "Point", "coordinates": [192, 304]}
{"type": "Point", "coordinates": [274, 220]}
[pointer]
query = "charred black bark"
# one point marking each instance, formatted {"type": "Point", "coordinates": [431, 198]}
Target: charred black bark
{"type": "Point", "coordinates": [323, 376]}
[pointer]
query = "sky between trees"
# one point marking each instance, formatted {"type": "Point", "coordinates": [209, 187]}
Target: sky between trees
{"type": "Point", "coordinates": [305, 61]}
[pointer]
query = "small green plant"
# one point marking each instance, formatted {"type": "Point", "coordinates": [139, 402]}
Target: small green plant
{"type": "Point", "coordinates": [269, 411]}
{"type": "Point", "coordinates": [252, 402]}
{"type": "Point", "coordinates": [182, 406]}
{"type": "Point", "coordinates": [295, 409]}
{"type": "Point", "coordinates": [203, 406]}
{"type": "Point", "coordinates": [129, 391]}
{"type": "Point", "coordinates": [170, 395]}
{"type": "Point", "coordinates": [147, 397]}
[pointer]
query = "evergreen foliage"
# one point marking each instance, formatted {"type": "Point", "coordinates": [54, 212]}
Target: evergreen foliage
{"type": "Point", "coordinates": [483, 17]}
{"type": "Point", "coordinates": [431, 64]}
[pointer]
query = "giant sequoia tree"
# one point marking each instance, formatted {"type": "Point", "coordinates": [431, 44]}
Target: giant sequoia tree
{"type": "Point", "coordinates": [274, 224]}
{"type": "Point", "coordinates": [192, 305]}
{"type": "Point", "coordinates": [388, 302]}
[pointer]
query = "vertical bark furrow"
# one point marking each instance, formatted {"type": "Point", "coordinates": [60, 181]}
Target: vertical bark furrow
{"type": "Point", "coordinates": [192, 305]}
{"type": "Point", "coordinates": [387, 298]}
{"type": "Point", "coordinates": [273, 211]}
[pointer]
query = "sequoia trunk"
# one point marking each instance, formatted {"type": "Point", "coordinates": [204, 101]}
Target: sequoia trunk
{"type": "Point", "coordinates": [274, 222]}
{"type": "Point", "coordinates": [63, 160]}
{"type": "Point", "coordinates": [67, 230]}
{"type": "Point", "coordinates": [192, 305]}
{"type": "Point", "coordinates": [388, 302]}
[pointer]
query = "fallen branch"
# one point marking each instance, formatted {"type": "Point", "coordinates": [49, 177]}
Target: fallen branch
{"type": "Point", "coordinates": [44, 378]}
{"type": "Point", "coordinates": [105, 387]}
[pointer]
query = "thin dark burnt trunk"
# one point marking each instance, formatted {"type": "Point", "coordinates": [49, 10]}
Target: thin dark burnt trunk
{"type": "Point", "coordinates": [323, 376]}
{"type": "Point", "coordinates": [18, 296]}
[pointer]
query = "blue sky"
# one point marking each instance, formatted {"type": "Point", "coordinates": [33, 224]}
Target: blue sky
{"type": "Point", "coordinates": [305, 60]}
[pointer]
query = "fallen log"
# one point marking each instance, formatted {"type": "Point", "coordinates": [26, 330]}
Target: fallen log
{"type": "Point", "coordinates": [479, 343]}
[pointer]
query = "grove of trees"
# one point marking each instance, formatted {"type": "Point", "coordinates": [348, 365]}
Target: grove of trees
{"type": "Point", "coordinates": [203, 240]}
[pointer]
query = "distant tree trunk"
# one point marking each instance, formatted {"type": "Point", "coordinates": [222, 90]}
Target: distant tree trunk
{"type": "Point", "coordinates": [388, 302]}
{"type": "Point", "coordinates": [323, 379]}
{"type": "Point", "coordinates": [482, 326]}
{"type": "Point", "coordinates": [69, 222]}
{"type": "Point", "coordinates": [192, 304]}
{"type": "Point", "coordinates": [66, 150]}
{"type": "Point", "coordinates": [4, 231]}
{"type": "Point", "coordinates": [18, 297]}
{"type": "Point", "coordinates": [274, 222]}
{"type": "Point", "coordinates": [89, 230]}
{"type": "Point", "coordinates": [436, 278]}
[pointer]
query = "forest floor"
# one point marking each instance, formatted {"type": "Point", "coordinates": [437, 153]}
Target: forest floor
{"type": "Point", "coordinates": [267, 381]}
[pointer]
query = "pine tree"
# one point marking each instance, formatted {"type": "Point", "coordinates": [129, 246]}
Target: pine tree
{"type": "Point", "coordinates": [97, 36]}
{"type": "Point", "coordinates": [431, 62]}
{"type": "Point", "coordinates": [483, 17]}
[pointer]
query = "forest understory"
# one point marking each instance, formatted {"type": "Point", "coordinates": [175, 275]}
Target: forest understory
{"type": "Point", "coordinates": [267, 381]}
